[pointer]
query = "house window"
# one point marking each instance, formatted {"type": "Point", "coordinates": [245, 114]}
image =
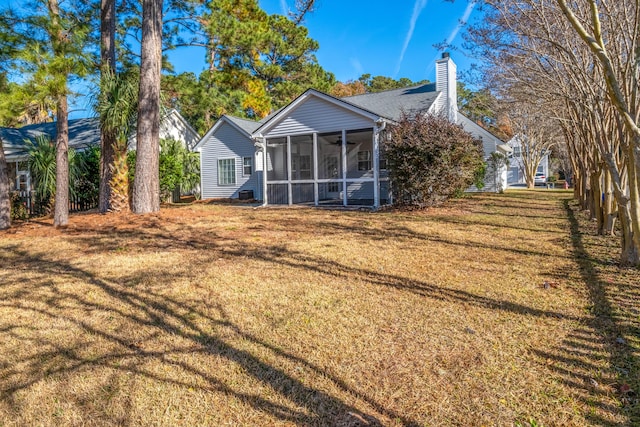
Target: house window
{"type": "Point", "coordinates": [226, 171]}
{"type": "Point", "coordinates": [516, 151]}
{"type": "Point", "coordinates": [364, 160]}
{"type": "Point", "coordinates": [333, 187]}
{"type": "Point", "coordinates": [247, 166]}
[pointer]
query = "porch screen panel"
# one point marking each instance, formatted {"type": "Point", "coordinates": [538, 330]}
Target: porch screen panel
{"type": "Point", "coordinates": [330, 193]}
{"type": "Point", "coordinates": [330, 155]}
{"type": "Point", "coordinates": [277, 159]}
{"type": "Point", "coordinates": [301, 157]}
{"type": "Point", "coordinates": [278, 194]}
{"type": "Point", "coordinates": [360, 153]}
{"type": "Point", "coordinates": [302, 193]}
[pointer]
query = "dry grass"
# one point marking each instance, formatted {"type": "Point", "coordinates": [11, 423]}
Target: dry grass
{"type": "Point", "coordinates": [227, 315]}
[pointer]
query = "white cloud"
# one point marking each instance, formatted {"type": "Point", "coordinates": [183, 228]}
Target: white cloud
{"type": "Point", "coordinates": [462, 21]}
{"type": "Point", "coordinates": [284, 7]}
{"type": "Point", "coordinates": [418, 6]}
{"type": "Point", "coordinates": [357, 66]}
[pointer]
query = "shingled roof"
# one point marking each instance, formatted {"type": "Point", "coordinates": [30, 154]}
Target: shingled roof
{"type": "Point", "coordinates": [82, 133]}
{"type": "Point", "coordinates": [245, 124]}
{"type": "Point", "coordinates": [13, 142]}
{"type": "Point", "coordinates": [391, 103]}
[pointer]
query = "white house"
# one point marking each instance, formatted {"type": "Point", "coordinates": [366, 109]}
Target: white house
{"type": "Point", "coordinates": [515, 173]}
{"type": "Point", "coordinates": [83, 133]}
{"type": "Point", "coordinates": [321, 149]}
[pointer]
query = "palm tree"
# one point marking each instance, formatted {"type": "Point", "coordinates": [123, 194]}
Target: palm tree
{"type": "Point", "coordinates": [117, 105]}
{"type": "Point", "coordinates": [42, 165]}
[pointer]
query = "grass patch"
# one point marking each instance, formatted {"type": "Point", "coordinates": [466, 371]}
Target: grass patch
{"type": "Point", "coordinates": [216, 315]}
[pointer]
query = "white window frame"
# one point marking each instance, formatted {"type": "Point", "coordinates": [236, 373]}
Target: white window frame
{"type": "Point", "coordinates": [220, 180]}
{"type": "Point", "coordinates": [245, 166]}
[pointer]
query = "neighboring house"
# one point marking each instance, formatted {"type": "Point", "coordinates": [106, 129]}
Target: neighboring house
{"type": "Point", "coordinates": [516, 171]}
{"type": "Point", "coordinates": [323, 150]}
{"type": "Point", "coordinates": [83, 133]}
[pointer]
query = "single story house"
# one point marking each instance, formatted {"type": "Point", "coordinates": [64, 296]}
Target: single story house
{"type": "Point", "coordinates": [324, 150]}
{"type": "Point", "coordinates": [83, 133]}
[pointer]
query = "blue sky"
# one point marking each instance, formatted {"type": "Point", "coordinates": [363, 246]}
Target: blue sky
{"type": "Point", "coordinates": [389, 38]}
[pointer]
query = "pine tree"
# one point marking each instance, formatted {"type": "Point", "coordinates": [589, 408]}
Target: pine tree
{"type": "Point", "coordinates": [146, 187]}
{"type": "Point", "coordinates": [54, 47]}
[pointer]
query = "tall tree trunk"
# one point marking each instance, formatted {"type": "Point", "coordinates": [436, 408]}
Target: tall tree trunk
{"type": "Point", "coordinates": [146, 185]}
{"type": "Point", "coordinates": [107, 139]}
{"type": "Point", "coordinates": [596, 199]}
{"type": "Point", "coordinates": [634, 202]}
{"type": "Point", "coordinates": [608, 207]}
{"type": "Point", "coordinates": [61, 211]}
{"type": "Point", "coordinates": [5, 191]}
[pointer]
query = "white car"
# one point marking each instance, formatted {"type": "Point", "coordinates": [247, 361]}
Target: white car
{"type": "Point", "coordinates": [539, 179]}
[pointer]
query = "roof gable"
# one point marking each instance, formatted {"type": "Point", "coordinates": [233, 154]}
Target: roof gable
{"type": "Point", "coordinates": [477, 127]}
{"type": "Point", "coordinates": [288, 112]}
{"type": "Point", "coordinates": [244, 126]}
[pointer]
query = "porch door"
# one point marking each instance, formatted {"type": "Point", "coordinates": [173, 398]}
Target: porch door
{"type": "Point", "coordinates": [332, 171]}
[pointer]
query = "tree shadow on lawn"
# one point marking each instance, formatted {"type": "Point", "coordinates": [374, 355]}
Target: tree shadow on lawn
{"type": "Point", "coordinates": [279, 255]}
{"type": "Point", "coordinates": [598, 359]}
{"type": "Point", "coordinates": [153, 310]}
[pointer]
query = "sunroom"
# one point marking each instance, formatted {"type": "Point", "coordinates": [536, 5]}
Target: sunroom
{"type": "Point", "coordinates": [318, 159]}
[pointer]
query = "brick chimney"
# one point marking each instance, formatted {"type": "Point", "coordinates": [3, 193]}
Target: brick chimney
{"type": "Point", "coordinates": [446, 81]}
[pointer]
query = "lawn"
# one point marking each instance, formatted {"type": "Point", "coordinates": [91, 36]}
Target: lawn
{"type": "Point", "coordinates": [492, 310]}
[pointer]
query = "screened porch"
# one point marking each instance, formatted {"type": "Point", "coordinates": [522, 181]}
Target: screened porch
{"type": "Point", "coordinates": [333, 168]}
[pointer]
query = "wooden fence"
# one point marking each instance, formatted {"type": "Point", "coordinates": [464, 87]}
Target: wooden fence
{"type": "Point", "coordinates": [37, 208]}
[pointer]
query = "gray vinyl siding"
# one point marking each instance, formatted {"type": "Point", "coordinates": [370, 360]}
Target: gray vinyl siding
{"type": "Point", "coordinates": [228, 143]}
{"type": "Point", "coordinates": [359, 191]}
{"type": "Point", "coordinates": [318, 115]}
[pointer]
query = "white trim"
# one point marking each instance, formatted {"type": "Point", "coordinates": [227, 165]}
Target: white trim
{"type": "Point", "coordinates": [376, 167]}
{"type": "Point", "coordinates": [263, 145]}
{"type": "Point", "coordinates": [316, 191]}
{"type": "Point", "coordinates": [344, 167]}
{"type": "Point", "coordinates": [235, 172]}
{"type": "Point", "coordinates": [290, 185]}
{"type": "Point", "coordinates": [251, 165]}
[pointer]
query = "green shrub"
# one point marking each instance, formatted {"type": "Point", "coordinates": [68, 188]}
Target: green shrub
{"type": "Point", "coordinates": [87, 185]}
{"type": "Point", "coordinates": [42, 165]}
{"type": "Point", "coordinates": [178, 168]}
{"type": "Point", "coordinates": [18, 207]}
